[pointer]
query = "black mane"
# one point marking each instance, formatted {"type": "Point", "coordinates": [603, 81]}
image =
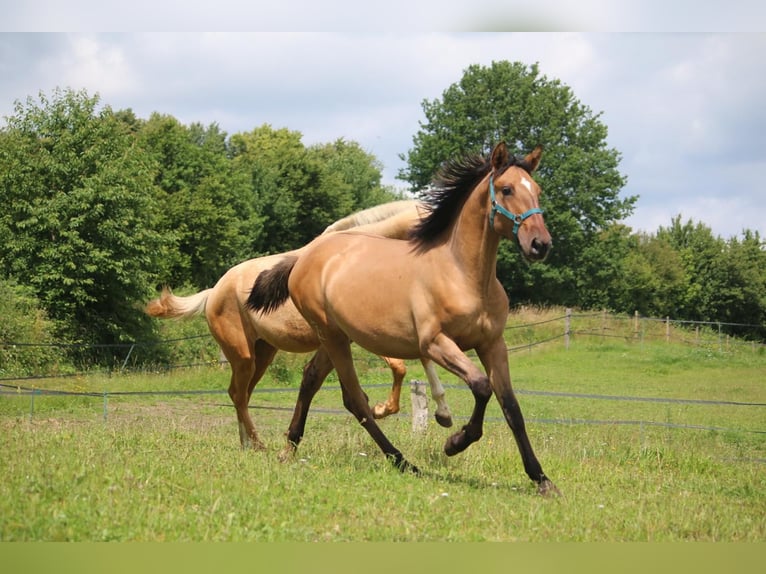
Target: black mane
{"type": "Point", "coordinates": [450, 188]}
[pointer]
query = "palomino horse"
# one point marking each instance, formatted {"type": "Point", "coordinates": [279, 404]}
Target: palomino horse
{"type": "Point", "coordinates": [443, 298]}
{"type": "Point", "coordinates": [250, 341]}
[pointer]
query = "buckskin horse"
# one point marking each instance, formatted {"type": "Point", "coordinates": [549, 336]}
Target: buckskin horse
{"type": "Point", "coordinates": [250, 341]}
{"type": "Point", "coordinates": [444, 297]}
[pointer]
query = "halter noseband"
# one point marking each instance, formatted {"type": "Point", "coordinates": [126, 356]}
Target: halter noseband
{"type": "Point", "coordinates": [495, 207]}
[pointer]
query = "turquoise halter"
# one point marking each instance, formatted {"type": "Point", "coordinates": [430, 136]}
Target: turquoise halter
{"type": "Point", "coordinates": [517, 219]}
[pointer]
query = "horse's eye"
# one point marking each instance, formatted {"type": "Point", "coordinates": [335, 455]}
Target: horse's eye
{"type": "Point", "coordinates": [507, 190]}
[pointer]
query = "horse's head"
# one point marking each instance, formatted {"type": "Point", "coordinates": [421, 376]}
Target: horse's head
{"type": "Point", "coordinates": [514, 202]}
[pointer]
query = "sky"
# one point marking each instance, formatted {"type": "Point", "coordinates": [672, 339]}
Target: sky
{"type": "Point", "coordinates": [685, 109]}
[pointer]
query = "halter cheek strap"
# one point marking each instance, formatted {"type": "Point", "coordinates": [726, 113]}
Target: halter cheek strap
{"type": "Point", "coordinates": [496, 207]}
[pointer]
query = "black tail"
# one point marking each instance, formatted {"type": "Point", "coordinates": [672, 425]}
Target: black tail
{"type": "Point", "coordinates": [270, 288]}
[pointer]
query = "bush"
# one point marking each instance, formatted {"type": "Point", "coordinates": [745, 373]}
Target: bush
{"type": "Point", "coordinates": [26, 335]}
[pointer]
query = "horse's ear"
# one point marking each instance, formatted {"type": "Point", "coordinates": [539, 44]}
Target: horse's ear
{"type": "Point", "coordinates": [533, 158]}
{"type": "Point", "coordinates": [500, 156]}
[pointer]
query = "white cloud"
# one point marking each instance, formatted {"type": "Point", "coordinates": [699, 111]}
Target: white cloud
{"type": "Point", "coordinates": [89, 63]}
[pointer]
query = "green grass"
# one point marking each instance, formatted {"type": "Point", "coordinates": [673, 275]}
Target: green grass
{"type": "Point", "coordinates": [170, 467]}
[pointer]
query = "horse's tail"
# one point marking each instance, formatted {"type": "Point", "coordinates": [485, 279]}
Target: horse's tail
{"type": "Point", "coordinates": [270, 288]}
{"type": "Point", "coordinates": [169, 306]}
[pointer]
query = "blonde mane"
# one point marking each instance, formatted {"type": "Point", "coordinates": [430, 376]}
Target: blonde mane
{"type": "Point", "coordinates": [371, 215]}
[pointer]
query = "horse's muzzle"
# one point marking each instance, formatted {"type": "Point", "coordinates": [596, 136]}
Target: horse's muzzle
{"type": "Point", "coordinates": [539, 249]}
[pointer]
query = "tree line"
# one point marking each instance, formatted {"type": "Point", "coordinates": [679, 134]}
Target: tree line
{"type": "Point", "coordinates": [101, 208]}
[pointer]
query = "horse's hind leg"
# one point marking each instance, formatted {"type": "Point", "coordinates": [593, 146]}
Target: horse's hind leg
{"type": "Point", "coordinates": [314, 374]}
{"type": "Point", "coordinates": [241, 373]}
{"type": "Point", "coordinates": [391, 405]}
{"type": "Point", "coordinates": [355, 400]}
{"type": "Point", "coordinates": [245, 373]}
{"type": "Point", "coordinates": [443, 415]}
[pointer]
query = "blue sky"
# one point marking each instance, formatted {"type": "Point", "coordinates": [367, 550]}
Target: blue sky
{"type": "Point", "coordinates": [685, 109]}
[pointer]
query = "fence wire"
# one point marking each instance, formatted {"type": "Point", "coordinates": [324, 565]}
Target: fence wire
{"type": "Point", "coordinates": [629, 328]}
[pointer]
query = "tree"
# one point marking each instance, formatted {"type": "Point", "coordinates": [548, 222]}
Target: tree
{"type": "Point", "coordinates": [578, 174]}
{"type": "Point", "coordinates": [353, 172]}
{"type": "Point", "coordinates": [747, 283]}
{"type": "Point", "coordinates": [276, 164]}
{"type": "Point", "coordinates": [699, 252]}
{"type": "Point", "coordinates": [653, 278]}
{"type": "Point", "coordinates": [206, 203]}
{"type": "Point", "coordinates": [725, 280]}
{"type": "Point", "coordinates": [299, 191]}
{"type": "Point", "coordinates": [79, 218]}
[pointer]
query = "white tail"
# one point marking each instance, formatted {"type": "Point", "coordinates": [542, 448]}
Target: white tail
{"type": "Point", "coordinates": [169, 306]}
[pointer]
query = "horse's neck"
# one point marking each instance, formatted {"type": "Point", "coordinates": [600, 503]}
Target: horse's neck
{"type": "Point", "coordinates": [474, 245]}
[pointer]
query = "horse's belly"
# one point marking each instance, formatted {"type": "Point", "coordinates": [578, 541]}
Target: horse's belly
{"type": "Point", "coordinates": [378, 326]}
{"type": "Point", "coordinates": [287, 330]}
{"type": "Point", "coordinates": [386, 343]}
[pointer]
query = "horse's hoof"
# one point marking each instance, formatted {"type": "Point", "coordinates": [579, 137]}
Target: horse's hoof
{"type": "Point", "coordinates": [409, 467]}
{"type": "Point", "coordinates": [444, 420]}
{"type": "Point", "coordinates": [454, 444]}
{"type": "Point", "coordinates": [457, 443]}
{"type": "Point", "coordinates": [547, 489]}
{"type": "Point", "coordinates": [403, 465]}
{"type": "Point", "coordinates": [380, 411]}
{"type": "Point", "coordinates": [286, 454]}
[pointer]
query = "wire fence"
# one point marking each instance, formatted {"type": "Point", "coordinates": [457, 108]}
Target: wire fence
{"type": "Point", "coordinates": [567, 327]}
{"type": "Point", "coordinates": [520, 336]}
{"type": "Point", "coordinates": [200, 349]}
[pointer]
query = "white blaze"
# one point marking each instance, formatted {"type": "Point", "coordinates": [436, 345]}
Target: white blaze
{"type": "Point", "coordinates": [526, 183]}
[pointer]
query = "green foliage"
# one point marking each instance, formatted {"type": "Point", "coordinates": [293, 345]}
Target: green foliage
{"type": "Point", "coordinates": [79, 225]}
{"type": "Point", "coordinates": [26, 334]}
{"type": "Point", "coordinates": [353, 174]}
{"type": "Point", "coordinates": [102, 207]}
{"type": "Point", "coordinates": [652, 280]}
{"type": "Point", "coordinates": [722, 280]}
{"type": "Point", "coordinates": [299, 191]}
{"type": "Point", "coordinates": [596, 262]}
{"type": "Point", "coordinates": [206, 207]}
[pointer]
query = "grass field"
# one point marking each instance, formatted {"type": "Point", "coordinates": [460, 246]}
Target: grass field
{"type": "Point", "coordinates": [170, 468]}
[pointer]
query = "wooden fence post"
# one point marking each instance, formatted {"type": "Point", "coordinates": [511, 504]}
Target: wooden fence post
{"type": "Point", "coordinates": [635, 324]}
{"type": "Point", "coordinates": [720, 348]}
{"type": "Point", "coordinates": [419, 405]}
{"type": "Point", "coordinates": [667, 329]}
{"type": "Point", "coordinates": [567, 326]}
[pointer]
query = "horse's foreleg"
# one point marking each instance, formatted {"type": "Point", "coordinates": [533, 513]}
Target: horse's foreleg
{"type": "Point", "coordinates": [443, 415]}
{"type": "Point", "coordinates": [391, 405]}
{"type": "Point", "coordinates": [443, 350]}
{"type": "Point", "coordinates": [355, 400]}
{"type": "Point", "coordinates": [496, 362]}
{"type": "Point", "coordinates": [314, 374]}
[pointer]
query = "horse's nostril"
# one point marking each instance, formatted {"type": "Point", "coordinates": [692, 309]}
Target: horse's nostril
{"type": "Point", "coordinates": [540, 247]}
